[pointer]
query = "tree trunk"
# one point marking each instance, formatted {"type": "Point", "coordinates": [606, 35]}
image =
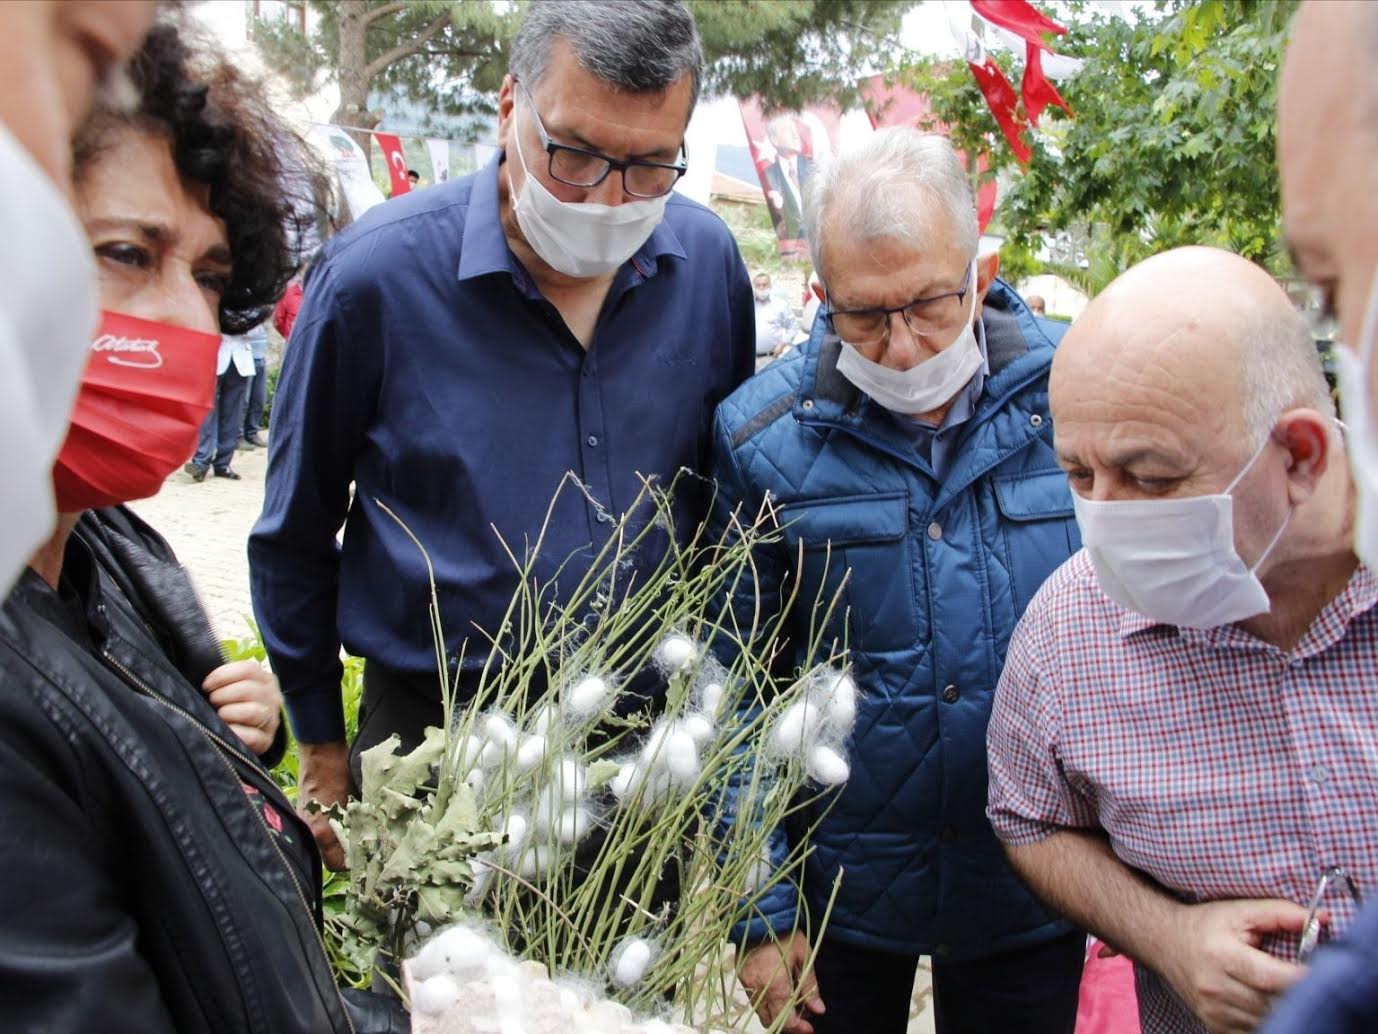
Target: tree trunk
{"type": "Point", "coordinates": [354, 83]}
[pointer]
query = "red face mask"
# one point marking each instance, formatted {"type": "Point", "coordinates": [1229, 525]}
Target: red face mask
{"type": "Point", "coordinates": [146, 390]}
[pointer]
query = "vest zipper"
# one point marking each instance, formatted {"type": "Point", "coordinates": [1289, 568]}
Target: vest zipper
{"type": "Point", "coordinates": [219, 745]}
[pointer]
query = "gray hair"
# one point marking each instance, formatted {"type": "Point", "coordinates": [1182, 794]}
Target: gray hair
{"type": "Point", "coordinates": [895, 185]}
{"type": "Point", "coordinates": [639, 46]}
{"type": "Point", "coordinates": [1282, 371]}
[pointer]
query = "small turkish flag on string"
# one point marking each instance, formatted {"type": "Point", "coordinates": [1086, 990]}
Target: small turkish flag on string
{"type": "Point", "coordinates": [1019, 17]}
{"type": "Point", "coordinates": [1038, 91]}
{"type": "Point", "coordinates": [397, 161]}
{"type": "Point", "coordinates": [1004, 105]}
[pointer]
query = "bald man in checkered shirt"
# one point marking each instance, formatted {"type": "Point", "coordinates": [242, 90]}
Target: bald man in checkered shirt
{"type": "Point", "coordinates": [1184, 743]}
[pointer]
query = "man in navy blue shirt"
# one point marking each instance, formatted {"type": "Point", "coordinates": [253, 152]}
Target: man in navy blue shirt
{"type": "Point", "coordinates": [461, 348]}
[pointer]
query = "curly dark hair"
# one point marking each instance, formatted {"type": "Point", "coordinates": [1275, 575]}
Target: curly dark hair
{"type": "Point", "coordinates": [265, 182]}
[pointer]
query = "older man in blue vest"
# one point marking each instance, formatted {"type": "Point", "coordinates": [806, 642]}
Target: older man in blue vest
{"type": "Point", "coordinates": [908, 449]}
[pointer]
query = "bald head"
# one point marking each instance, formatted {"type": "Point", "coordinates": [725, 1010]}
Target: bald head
{"type": "Point", "coordinates": [1177, 372]}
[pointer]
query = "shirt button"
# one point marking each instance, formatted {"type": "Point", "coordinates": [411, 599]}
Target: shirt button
{"type": "Point", "coordinates": [1319, 773]}
{"type": "Point", "coordinates": [1036, 420]}
{"type": "Point", "coordinates": [935, 531]}
{"type": "Point", "coordinates": [593, 441]}
{"type": "Point", "coordinates": [950, 695]}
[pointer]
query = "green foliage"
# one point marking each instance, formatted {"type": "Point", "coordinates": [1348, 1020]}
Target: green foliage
{"type": "Point", "coordinates": [1172, 142]}
{"type": "Point", "coordinates": [450, 57]}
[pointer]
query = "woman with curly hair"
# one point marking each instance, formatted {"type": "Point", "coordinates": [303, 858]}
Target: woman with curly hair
{"type": "Point", "coordinates": [155, 878]}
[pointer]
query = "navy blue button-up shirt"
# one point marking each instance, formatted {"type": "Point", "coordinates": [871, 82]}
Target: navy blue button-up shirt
{"type": "Point", "coordinates": [427, 369]}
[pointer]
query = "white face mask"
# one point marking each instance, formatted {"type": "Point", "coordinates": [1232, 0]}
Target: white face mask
{"type": "Point", "coordinates": [1361, 437]}
{"type": "Point", "coordinates": [581, 239]}
{"type": "Point", "coordinates": [925, 387]}
{"type": "Point", "coordinates": [47, 316]}
{"type": "Point", "coordinates": [1173, 560]}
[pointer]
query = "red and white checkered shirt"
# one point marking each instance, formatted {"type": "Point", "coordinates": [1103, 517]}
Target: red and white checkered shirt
{"type": "Point", "coordinates": [1218, 764]}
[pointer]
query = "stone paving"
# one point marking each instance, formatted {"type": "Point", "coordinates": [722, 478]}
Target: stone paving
{"type": "Point", "coordinates": [208, 524]}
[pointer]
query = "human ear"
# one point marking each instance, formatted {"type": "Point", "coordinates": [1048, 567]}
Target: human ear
{"type": "Point", "coordinates": [1307, 436]}
{"type": "Point", "coordinates": [507, 101]}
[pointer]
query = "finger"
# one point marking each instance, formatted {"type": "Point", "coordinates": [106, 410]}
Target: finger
{"type": "Point", "coordinates": [1275, 914]}
{"type": "Point", "coordinates": [257, 740]}
{"type": "Point", "coordinates": [1229, 1019]}
{"type": "Point", "coordinates": [253, 715]}
{"type": "Point", "coordinates": [232, 672]}
{"type": "Point", "coordinates": [808, 993]}
{"type": "Point", "coordinates": [797, 1025]}
{"type": "Point", "coordinates": [1260, 972]}
{"type": "Point", "coordinates": [332, 854]}
{"type": "Point", "coordinates": [262, 692]}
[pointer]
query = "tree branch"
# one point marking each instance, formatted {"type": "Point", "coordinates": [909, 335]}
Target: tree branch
{"type": "Point", "coordinates": [373, 14]}
{"type": "Point", "coordinates": [397, 53]}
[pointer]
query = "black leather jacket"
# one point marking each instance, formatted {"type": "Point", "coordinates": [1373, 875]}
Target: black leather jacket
{"type": "Point", "coordinates": [152, 876]}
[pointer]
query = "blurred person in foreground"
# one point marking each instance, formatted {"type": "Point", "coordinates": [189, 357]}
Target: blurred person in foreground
{"type": "Point", "coordinates": [155, 878]}
{"type": "Point", "coordinates": [907, 449]}
{"type": "Point", "coordinates": [1327, 154]}
{"type": "Point", "coordinates": [462, 349]}
{"type": "Point", "coordinates": [1182, 754]}
{"type": "Point", "coordinates": [55, 58]}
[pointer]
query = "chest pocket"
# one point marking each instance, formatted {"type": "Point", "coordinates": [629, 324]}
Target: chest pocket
{"type": "Point", "coordinates": [1039, 529]}
{"type": "Point", "coordinates": [865, 539]}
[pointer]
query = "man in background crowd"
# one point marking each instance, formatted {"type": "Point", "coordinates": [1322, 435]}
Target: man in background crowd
{"type": "Point", "coordinates": [258, 386]}
{"type": "Point", "coordinates": [1036, 304]}
{"type": "Point", "coordinates": [775, 322]}
{"type": "Point", "coordinates": [221, 431]}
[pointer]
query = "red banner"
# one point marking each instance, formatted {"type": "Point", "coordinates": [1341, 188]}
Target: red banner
{"type": "Point", "coordinates": [1038, 90]}
{"type": "Point", "coordinates": [1004, 105]}
{"type": "Point", "coordinates": [397, 161]}
{"type": "Point", "coordinates": [1019, 17]}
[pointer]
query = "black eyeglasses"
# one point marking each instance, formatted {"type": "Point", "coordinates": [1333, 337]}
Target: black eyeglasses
{"type": "Point", "coordinates": [926, 317]}
{"type": "Point", "coordinates": [578, 167]}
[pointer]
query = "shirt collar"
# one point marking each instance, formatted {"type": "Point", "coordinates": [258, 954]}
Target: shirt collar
{"type": "Point", "coordinates": [485, 250]}
{"type": "Point", "coordinates": [1359, 596]}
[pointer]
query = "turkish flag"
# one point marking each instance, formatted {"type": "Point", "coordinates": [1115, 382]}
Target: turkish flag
{"type": "Point", "coordinates": [1038, 91]}
{"type": "Point", "coordinates": [1004, 105]}
{"type": "Point", "coordinates": [397, 161]}
{"type": "Point", "coordinates": [1019, 17]}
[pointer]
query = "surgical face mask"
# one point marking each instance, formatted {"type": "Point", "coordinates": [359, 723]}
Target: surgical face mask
{"type": "Point", "coordinates": [763, 295]}
{"type": "Point", "coordinates": [925, 387]}
{"type": "Point", "coordinates": [146, 391]}
{"type": "Point", "coordinates": [47, 312]}
{"type": "Point", "coordinates": [1173, 560]}
{"type": "Point", "coordinates": [1361, 437]}
{"type": "Point", "coordinates": [581, 239]}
